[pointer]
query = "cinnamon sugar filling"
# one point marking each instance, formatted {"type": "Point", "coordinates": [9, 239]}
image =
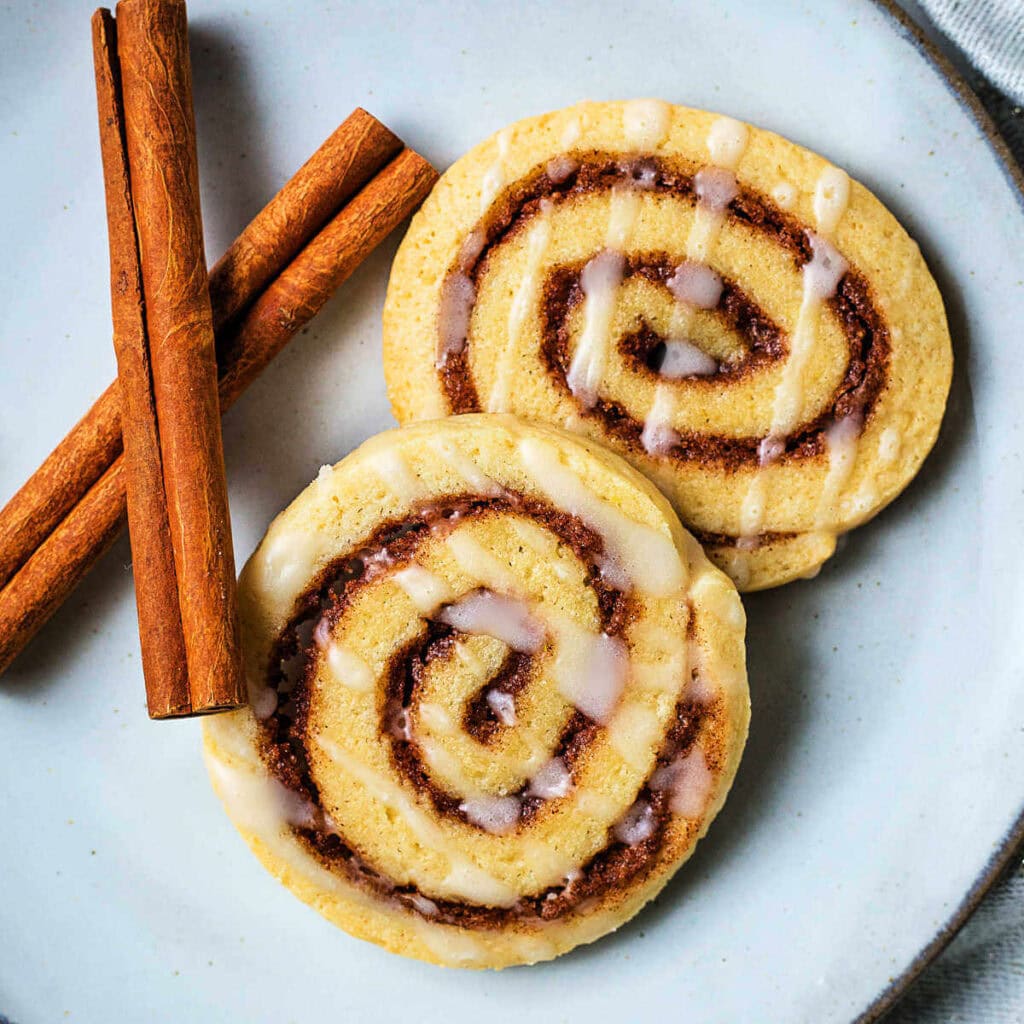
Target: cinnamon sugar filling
{"type": "Point", "coordinates": [283, 736]}
{"type": "Point", "coordinates": [853, 305]}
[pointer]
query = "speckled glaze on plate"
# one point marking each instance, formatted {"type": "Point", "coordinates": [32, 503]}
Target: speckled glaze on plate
{"type": "Point", "coordinates": [882, 784]}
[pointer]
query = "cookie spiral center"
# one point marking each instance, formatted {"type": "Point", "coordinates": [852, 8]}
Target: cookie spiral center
{"type": "Point", "coordinates": [473, 707]}
{"type": "Point", "coordinates": [574, 304]}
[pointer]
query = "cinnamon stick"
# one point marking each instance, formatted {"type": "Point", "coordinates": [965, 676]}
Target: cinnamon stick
{"type": "Point", "coordinates": [350, 157]}
{"type": "Point", "coordinates": [55, 568]}
{"type": "Point", "coordinates": [301, 290]}
{"type": "Point", "coordinates": [161, 634]}
{"type": "Point", "coordinates": [346, 161]}
{"type": "Point", "coordinates": [60, 482]}
{"type": "Point", "coordinates": [156, 88]}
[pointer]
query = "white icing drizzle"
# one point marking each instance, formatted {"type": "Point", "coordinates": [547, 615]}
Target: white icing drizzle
{"type": "Point", "coordinates": [697, 284]}
{"type": "Point", "coordinates": [503, 705]}
{"type": "Point", "coordinates": [263, 700]}
{"type": "Point", "coordinates": [397, 474]}
{"type": "Point", "coordinates": [684, 359]}
{"type": "Point", "coordinates": [452, 945]}
{"type": "Point", "coordinates": [558, 168]}
{"type": "Point", "coordinates": [633, 734]}
{"type": "Point", "coordinates": [494, 176]}
{"type": "Point", "coordinates": [821, 276]}
{"type": "Point", "coordinates": [752, 513]}
{"type": "Point", "coordinates": [841, 446]}
{"type": "Point", "coordinates": [769, 449]}
{"type": "Point", "coordinates": [592, 803]}
{"type": "Point", "coordinates": [426, 907]}
{"type": "Point", "coordinates": [463, 465]}
{"type": "Point", "coordinates": [259, 802]}
{"type": "Point", "coordinates": [688, 778]}
{"type": "Point", "coordinates": [645, 177]}
{"type": "Point", "coordinates": [551, 781]}
{"type": "Point", "coordinates": [648, 558]}
{"type": "Point", "coordinates": [820, 279]}
{"type": "Point", "coordinates": [290, 557]}
{"type": "Point", "coordinates": [322, 633]}
{"type": "Point", "coordinates": [862, 502]}
{"type": "Point", "coordinates": [784, 195]}
{"type": "Point", "coordinates": [458, 296]}
{"type": "Point", "coordinates": [472, 245]}
{"type": "Point", "coordinates": [426, 590]}
{"type": "Point", "coordinates": [589, 669]}
{"type": "Point", "coordinates": [435, 718]}
{"type": "Point", "coordinates": [636, 825]}
{"type": "Point", "coordinates": [465, 879]}
{"type": "Point", "coordinates": [715, 188]}
{"type": "Point", "coordinates": [349, 668]}
{"type": "Point", "coordinates": [523, 301]}
{"type": "Point", "coordinates": [506, 618]}
{"type": "Point", "coordinates": [646, 123]}
{"type": "Point", "coordinates": [727, 142]}
{"type": "Point", "coordinates": [443, 763]}
{"type": "Point", "coordinates": [454, 312]}
{"type": "Point", "coordinates": [889, 444]}
{"type": "Point", "coordinates": [659, 436]}
{"type": "Point", "coordinates": [498, 815]}
{"type": "Point", "coordinates": [831, 196]}
{"type": "Point", "coordinates": [738, 566]}
{"type": "Point", "coordinates": [478, 563]}
{"type": "Point", "coordinates": [344, 664]}
{"type": "Point", "coordinates": [398, 724]}
{"type": "Point", "coordinates": [544, 545]}
{"type": "Point", "coordinates": [599, 282]}
{"type": "Point", "coordinates": [825, 270]}
{"type": "Point", "coordinates": [624, 206]}
{"type": "Point", "coordinates": [323, 478]}
{"type": "Point", "coordinates": [612, 572]}
{"type": "Point", "coordinates": [701, 690]}
{"type": "Point", "coordinates": [571, 134]}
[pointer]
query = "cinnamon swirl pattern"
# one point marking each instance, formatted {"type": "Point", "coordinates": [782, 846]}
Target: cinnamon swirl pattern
{"type": "Point", "coordinates": [746, 325]}
{"type": "Point", "coordinates": [497, 693]}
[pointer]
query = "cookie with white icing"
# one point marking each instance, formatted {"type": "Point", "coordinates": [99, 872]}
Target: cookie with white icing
{"type": "Point", "coordinates": [497, 693]}
{"type": "Point", "coordinates": [750, 328]}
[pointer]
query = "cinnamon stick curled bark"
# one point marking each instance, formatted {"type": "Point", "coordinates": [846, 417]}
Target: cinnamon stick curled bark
{"type": "Point", "coordinates": [349, 158]}
{"type": "Point", "coordinates": [57, 565]}
{"type": "Point", "coordinates": [161, 635]}
{"type": "Point", "coordinates": [60, 482]}
{"type": "Point", "coordinates": [159, 128]}
{"type": "Point", "coordinates": [301, 290]}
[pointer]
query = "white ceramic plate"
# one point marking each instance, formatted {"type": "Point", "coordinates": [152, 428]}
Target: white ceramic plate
{"type": "Point", "coordinates": [885, 767]}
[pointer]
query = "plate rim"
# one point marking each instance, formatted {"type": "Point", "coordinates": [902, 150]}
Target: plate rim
{"type": "Point", "coordinates": [1011, 844]}
{"type": "Point", "coordinates": [1007, 848]}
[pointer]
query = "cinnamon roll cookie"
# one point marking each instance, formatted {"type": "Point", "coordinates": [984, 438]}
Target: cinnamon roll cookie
{"type": "Point", "coordinates": [497, 693]}
{"type": "Point", "coordinates": [750, 328]}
